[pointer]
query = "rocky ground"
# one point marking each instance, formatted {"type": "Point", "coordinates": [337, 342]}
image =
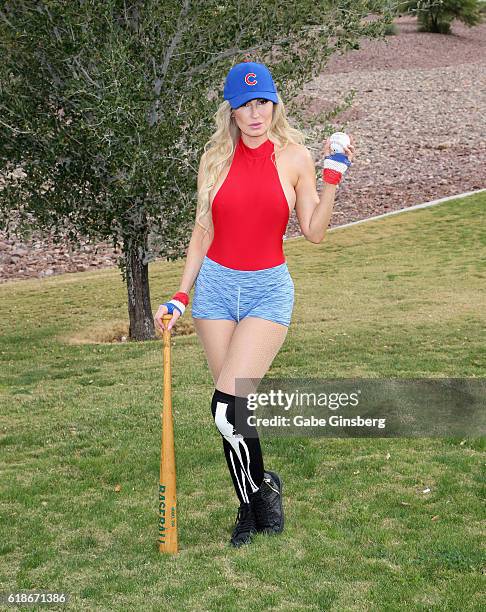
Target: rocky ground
{"type": "Point", "coordinates": [418, 124]}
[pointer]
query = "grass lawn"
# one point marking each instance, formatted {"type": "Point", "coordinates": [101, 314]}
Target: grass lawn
{"type": "Point", "coordinates": [402, 296]}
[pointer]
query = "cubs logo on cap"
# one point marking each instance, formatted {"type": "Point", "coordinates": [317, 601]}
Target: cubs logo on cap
{"type": "Point", "coordinates": [248, 80]}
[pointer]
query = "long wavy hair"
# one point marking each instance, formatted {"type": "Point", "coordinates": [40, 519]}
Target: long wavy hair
{"type": "Point", "coordinates": [220, 147]}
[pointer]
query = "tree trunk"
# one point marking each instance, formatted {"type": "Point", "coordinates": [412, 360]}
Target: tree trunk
{"type": "Point", "coordinates": [139, 308]}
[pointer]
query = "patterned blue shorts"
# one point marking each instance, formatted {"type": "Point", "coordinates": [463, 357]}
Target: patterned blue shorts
{"type": "Point", "coordinates": [226, 293]}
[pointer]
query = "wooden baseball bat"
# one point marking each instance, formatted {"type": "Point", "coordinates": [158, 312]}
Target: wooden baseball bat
{"type": "Point", "coordinates": [167, 480]}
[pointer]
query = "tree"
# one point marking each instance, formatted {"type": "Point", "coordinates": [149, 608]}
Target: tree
{"type": "Point", "coordinates": [437, 15]}
{"type": "Point", "coordinates": [106, 105]}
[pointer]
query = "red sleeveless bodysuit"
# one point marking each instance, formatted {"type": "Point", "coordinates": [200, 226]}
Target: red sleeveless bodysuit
{"type": "Point", "coordinates": [250, 212]}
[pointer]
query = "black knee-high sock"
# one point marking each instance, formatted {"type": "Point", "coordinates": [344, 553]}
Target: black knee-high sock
{"type": "Point", "coordinates": [243, 452]}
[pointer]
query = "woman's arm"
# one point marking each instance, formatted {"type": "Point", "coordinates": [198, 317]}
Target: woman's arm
{"type": "Point", "coordinates": [314, 211]}
{"type": "Point", "coordinates": [198, 247]}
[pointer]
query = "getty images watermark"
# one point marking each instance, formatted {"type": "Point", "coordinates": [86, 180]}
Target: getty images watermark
{"type": "Point", "coordinates": [361, 407]}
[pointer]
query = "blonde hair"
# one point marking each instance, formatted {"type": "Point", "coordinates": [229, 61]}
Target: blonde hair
{"type": "Point", "coordinates": [220, 147]}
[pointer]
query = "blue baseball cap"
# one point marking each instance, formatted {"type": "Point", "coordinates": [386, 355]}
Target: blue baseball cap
{"type": "Point", "coordinates": [249, 80]}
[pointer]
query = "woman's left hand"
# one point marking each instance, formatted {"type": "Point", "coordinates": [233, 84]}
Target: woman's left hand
{"type": "Point", "coordinates": [348, 151]}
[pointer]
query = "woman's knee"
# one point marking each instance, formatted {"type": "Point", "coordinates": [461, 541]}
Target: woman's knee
{"type": "Point", "coordinates": [224, 407]}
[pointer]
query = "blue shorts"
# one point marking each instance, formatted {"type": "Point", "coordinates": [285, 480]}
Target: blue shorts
{"type": "Point", "coordinates": [226, 293]}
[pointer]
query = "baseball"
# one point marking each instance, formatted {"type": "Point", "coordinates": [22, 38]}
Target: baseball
{"type": "Point", "coordinates": [338, 141]}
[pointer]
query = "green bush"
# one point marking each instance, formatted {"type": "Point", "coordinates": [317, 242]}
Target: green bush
{"type": "Point", "coordinates": [437, 15]}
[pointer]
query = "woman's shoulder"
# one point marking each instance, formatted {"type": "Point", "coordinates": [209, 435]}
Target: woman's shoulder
{"type": "Point", "coordinates": [297, 156]}
{"type": "Point", "coordinates": [297, 152]}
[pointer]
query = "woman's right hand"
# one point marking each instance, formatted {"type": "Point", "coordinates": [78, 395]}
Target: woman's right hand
{"type": "Point", "coordinates": [175, 306]}
{"type": "Point", "coordinates": [160, 313]}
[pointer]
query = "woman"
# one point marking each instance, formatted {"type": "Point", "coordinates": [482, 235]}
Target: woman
{"type": "Point", "coordinates": [252, 174]}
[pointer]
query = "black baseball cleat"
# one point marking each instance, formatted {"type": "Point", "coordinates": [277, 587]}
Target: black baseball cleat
{"type": "Point", "coordinates": [267, 504]}
{"type": "Point", "coordinates": [245, 526]}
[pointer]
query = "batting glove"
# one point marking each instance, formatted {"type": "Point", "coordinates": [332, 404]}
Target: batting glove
{"type": "Point", "coordinates": [335, 166]}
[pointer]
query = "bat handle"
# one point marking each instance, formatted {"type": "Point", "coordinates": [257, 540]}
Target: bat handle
{"type": "Point", "coordinates": [166, 332]}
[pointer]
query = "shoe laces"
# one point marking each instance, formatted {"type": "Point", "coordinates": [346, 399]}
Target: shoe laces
{"type": "Point", "coordinates": [245, 518]}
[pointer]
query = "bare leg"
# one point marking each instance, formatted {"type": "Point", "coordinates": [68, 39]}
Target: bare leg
{"type": "Point", "coordinates": [215, 336]}
{"type": "Point", "coordinates": [253, 346]}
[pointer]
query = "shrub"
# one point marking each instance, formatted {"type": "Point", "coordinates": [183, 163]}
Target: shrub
{"type": "Point", "coordinates": [437, 15]}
